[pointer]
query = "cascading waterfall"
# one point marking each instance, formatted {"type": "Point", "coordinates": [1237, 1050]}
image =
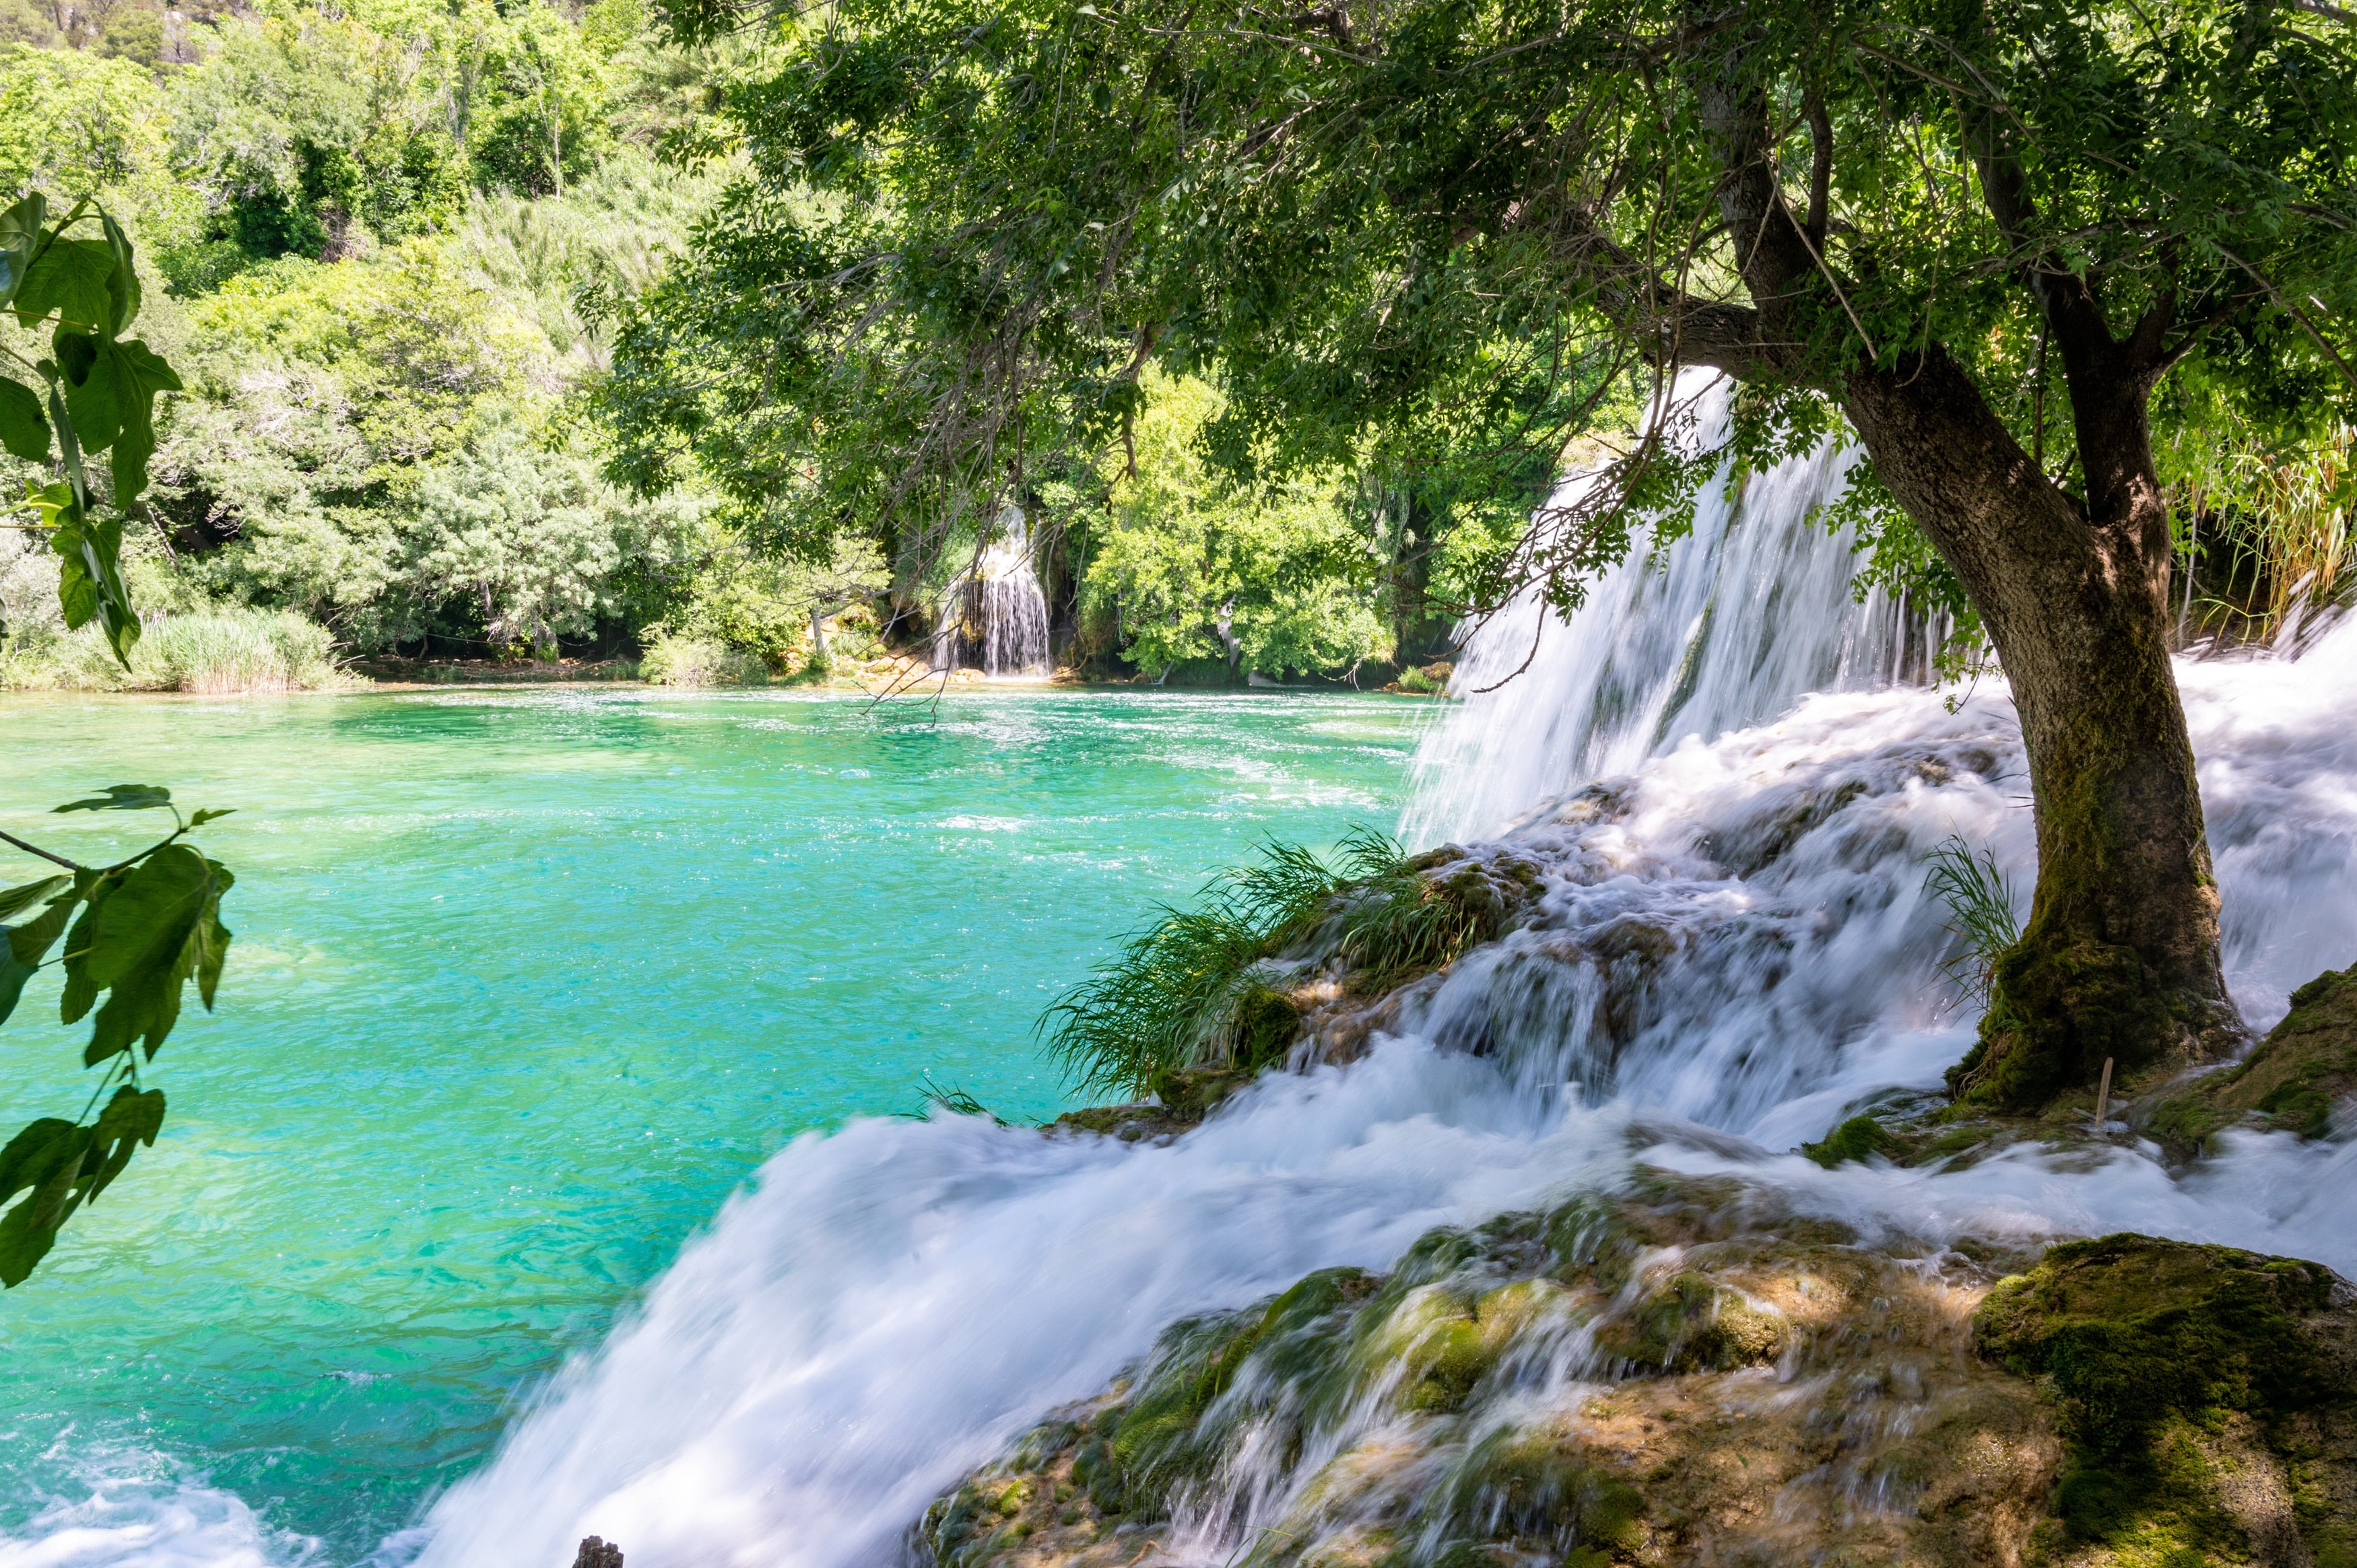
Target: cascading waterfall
{"type": "Point", "coordinates": [995, 616]}
{"type": "Point", "coordinates": [1730, 625]}
{"type": "Point", "coordinates": [1732, 944]}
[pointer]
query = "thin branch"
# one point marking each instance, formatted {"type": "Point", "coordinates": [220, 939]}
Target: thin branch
{"type": "Point", "coordinates": [37, 849]}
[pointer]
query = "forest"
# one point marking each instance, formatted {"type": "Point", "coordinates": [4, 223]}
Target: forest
{"type": "Point", "coordinates": [395, 250]}
{"type": "Point", "coordinates": [391, 250]}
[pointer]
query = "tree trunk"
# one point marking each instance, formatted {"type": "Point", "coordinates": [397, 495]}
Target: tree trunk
{"type": "Point", "coordinates": [2120, 957]}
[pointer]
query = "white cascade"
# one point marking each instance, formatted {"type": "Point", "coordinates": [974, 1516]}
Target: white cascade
{"type": "Point", "coordinates": [994, 614]}
{"type": "Point", "coordinates": [1728, 626]}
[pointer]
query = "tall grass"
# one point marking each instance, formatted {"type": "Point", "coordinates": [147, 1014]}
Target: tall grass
{"type": "Point", "coordinates": [2282, 521]}
{"type": "Point", "coordinates": [1980, 899]}
{"type": "Point", "coordinates": [1193, 989]}
{"type": "Point", "coordinates": [211, 652]}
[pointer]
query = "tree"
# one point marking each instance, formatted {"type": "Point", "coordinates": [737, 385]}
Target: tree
{"type": "Point", "coordinates": [1978, 231]}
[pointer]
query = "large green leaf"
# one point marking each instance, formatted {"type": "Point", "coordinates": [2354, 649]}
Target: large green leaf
{"type": "Point", "coordinates": [143, 949]}
{"type": "Point", "coordinates": [70, 278]}
{"type": "Point", "coordinates": [31, 1227]}
{"type": "Point", "coordinates": [123, 282]}
{"type": "Point", "coordinates": [30, 940]}
{"type": "Point", "coordinates": [17, 899]}
{"type": "Point", "coordinates": [24, 428]}
{"type": "Point", "coordinates": [131, 1118]}
{"type": "Point", "coordinates": [33, 1155]}
{"type": "Point", "coordinates": [90, 580]}
{"type": "Point", "coordinates": [110, 393]}
{"type": "Point", "coordinates": [13, 975]}
{"type": "Point", "coordinates": [20, 234]}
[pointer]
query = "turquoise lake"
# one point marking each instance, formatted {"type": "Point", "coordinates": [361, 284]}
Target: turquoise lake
{"type": "Point", "coordinates": [525, 983]}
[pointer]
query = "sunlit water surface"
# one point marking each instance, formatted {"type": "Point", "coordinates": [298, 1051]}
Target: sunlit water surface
{"type": "Point", "coordinates": [523, 984]}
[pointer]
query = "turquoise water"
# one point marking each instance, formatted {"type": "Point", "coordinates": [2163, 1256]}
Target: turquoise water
{"type": "Point", "coordinates": [523, 984]}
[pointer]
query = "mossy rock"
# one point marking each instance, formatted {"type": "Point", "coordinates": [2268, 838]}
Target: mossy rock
{"type": "Point", "coordinates": [1860, 1138]}
{"type": "Point", "coordinates": [1182, 1099]}
{"type": "Point", "coordinates": [2306, 1065]}
{"type": "Point", "coordinates": [2193, 1384]}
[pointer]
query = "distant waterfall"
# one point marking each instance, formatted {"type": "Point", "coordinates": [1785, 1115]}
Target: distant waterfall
{"type": "Point", "coordinates": [1729, 627]}
{"type": "Point", "coordinates": [994, 614]}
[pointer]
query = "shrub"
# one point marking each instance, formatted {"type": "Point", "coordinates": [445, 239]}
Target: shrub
{"type": "Point", "coordinates": [695, 662]}
{"type": "Point", "coordinates": [213, 653]}
{"type": "Point", "coordinates": [1195, 988]}
{"type": "Point", "coordinates": [1980, 913]}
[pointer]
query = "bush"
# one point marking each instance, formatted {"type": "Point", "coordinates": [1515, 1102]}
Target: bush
{"type": "Point", "coordinates": [697, 661]}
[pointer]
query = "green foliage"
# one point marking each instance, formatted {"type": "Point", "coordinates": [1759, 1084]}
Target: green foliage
{"type": "Point", "coordinates": [1193, 565]}
{"type": "Point", "coordinates": [1979, 901]}
{"type": "Point", "coordinates": [1442, 233]}
{"type": "Point", "coordinates": [765, 608]}
{"type": "Point", "coordinates": [1856, 1139]}
{"type": "Point", "coordinates": [1195, 989]}
{"type": "Point", "coordinates": [134, 933]}
{"type": "Point", "coordinates": [1184, 991]}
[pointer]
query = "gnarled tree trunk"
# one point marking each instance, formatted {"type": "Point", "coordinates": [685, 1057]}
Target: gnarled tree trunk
{"type": "Point", "coordinates": [2120, 956]}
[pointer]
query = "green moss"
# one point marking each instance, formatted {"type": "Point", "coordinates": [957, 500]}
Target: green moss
{"type": "Point", "coordinates": [2152, 1349]}
{"type": "Point", "coordinates": [2290, 1082]}
{"type": "Point", "coordinates": [1690, 1325]}
{"type": "Point", "coordinates": [1858, 1138]}
{"type": "Point", "coordinates": [2058, 1009]}
{"type": "Point", "coordinates": [1524, 1487]}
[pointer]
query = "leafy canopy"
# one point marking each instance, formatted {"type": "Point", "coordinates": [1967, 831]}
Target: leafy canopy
{"type": "Point", "coordinates": [1446, 229]}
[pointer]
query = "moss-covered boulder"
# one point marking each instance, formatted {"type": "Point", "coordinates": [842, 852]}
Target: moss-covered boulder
{"type": "Point", "coordinates": [2207, 1398]}
{"type": "Point", "coordinates": [2291, 1082]}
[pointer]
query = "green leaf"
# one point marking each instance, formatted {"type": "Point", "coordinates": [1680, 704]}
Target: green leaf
{"type": "Point", "coordinates": [111, 392]}
{"type": "Point", "coordinates": [123, 282]}
{"type": "Point", "coordinates": [122, 798]}
{"type": "Point", "coordinates": [143, 951]}
{"type": "Point", "coordinates": [13, 976]}
{"type": "Point", "coordinates": [18, 898]}
{"type": "Point", "coordinates": [210, 940]}
{"type": "Point", "coordinates": [131, 1118]}
{"type": "Point", "coordinates": [31, 1227]}
{"type": "Point", "coordinates": [210, 814]}
{"type": "Point", "coordinates": [30, 940]}
{"type": "Point", "coordinates": [20, 233]}
{"type": "Point", "coordinates": [70, 278]}
{"type": "Point", "coordinates": [90, 580]}
{"type": "Point", "coordinates": [24, 428]}
{"type": "Point", "coordinates": [33, 1155]}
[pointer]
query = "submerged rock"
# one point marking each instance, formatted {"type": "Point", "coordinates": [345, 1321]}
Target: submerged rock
{"type": "Point", "coordinates": [1689, 1372]}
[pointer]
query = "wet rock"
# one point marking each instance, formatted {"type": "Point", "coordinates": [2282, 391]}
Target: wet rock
{"type": "Point", "coordinates": [1683, 1373]}
{"type": "Point", "coordinates": [597, 1553]}
{"type": "Point", "coordinates": [2207, 1398]}
{"type": "Point", "coordinates": [2292, 1082]}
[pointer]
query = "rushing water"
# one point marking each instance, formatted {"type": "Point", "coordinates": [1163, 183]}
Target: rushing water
{"type": "Point", "coordinates": [1733, 940]}
{"type": "Point", "coordinates": [523, 984]}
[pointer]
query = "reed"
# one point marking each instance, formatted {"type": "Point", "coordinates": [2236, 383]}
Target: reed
{"type": "Point", "coordinates": [215, 652]}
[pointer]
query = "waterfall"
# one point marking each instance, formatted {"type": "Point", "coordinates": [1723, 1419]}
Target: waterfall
{"type": "Point", "coordinates": [1730, 946]}
{"type": "Point", "coordinates": [1730, 624]}
{"type": "Point", "coordinates": [994, 614]}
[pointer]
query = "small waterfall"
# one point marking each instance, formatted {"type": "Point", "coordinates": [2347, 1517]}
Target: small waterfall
{"type": "Point", "coordinates": [995, 616]}
{"type": "Point", "coordinates": [1728, 627]}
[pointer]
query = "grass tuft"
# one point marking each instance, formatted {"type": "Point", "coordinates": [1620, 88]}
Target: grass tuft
{"type": "Point", "coordinates": [1980, 913]}
{"type": "Point", "coordinates": [1193, 990]}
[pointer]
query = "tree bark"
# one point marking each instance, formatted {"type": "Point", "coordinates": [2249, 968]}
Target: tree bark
{"type": "Point", "coordinates": [2120, 956]}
